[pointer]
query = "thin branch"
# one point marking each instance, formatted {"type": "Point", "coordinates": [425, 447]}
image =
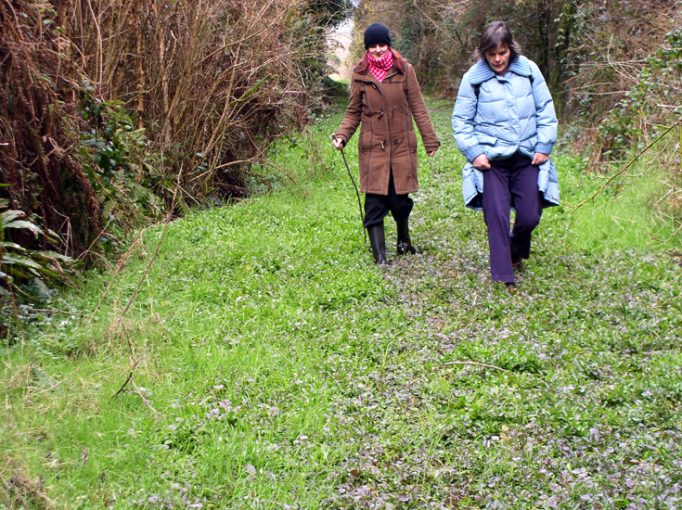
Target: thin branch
{"type": "Point", "coordinates": [143, 277]}
{"type": "Point", "coordinates": [123, 386]}
{"type": "Point", "coordinates": [157, 249]}
{"type": "Point", "coordinates": [475, 363]}
{"type": "Point", "coordinates": [119, 266]}
{"type": "Point", "coordinates": [137, 391]}
{"type": "Point", "coordinates": [627, 166]}
{"type": "Point", "coordinates": [100, 64]}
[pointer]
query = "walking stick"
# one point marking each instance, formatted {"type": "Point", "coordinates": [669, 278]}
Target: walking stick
{"type": "Point", "coordinates": [357, 193]}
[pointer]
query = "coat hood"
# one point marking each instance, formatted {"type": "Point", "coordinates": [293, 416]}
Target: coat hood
{"type": "Point", "coordinates": [481, 71]}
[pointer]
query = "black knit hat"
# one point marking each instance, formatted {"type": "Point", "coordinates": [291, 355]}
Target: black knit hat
{"type": "Point", "coordinates": [376, 33]}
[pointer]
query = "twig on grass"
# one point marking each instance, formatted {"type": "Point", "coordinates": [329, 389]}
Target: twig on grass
{"type": "Point", "coordinates": [129, 380]}
{"type": "Point", "coordinates": [133, 362]}
{"type": "Point", "coordinates": [672, 236]}
{"type": "Point", "coordinates": [135, 389]}
{"type": "Point", "coordinates": [475, 363]}
{"type": "Point", "coordinates": [139, 393]}
{"type": "Point", "coordinates": [17, 317]}
{"type": "Point", "coordinates": [123, 386]}
{"type": "Point", "coordinates": [88, 250]}
{"type": "Point", "coordinates": [122, 261]}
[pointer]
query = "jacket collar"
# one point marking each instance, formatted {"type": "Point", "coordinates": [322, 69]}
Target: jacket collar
{"type": "Point", "coordinates": [366, 76]}
{"type": "Point", "coordinates": [481, 71]}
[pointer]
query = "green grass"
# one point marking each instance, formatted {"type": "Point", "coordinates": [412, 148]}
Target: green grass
{"type": "Point", "coordinates": [276, 367]}
{"type": "Point", "coordinates": [628, 214]}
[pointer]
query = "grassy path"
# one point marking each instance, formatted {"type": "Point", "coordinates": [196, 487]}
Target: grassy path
{"type": "Point", "coordinates": [276, 367]}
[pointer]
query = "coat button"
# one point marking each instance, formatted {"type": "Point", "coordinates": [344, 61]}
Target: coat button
{"type": "Point", "coordinates": [395, 142]}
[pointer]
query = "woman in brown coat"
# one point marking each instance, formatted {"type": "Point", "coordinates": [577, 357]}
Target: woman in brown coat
{"type": "Point", "coordinates": [385, 97]}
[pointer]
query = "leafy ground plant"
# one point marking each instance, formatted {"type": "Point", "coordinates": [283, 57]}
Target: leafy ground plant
{"type": "Point", "coordinates": [265, 362]}
{"type": "Point", "coordinates": [23, 270]}
{"type": "Point", "coordinates": [18, 264]}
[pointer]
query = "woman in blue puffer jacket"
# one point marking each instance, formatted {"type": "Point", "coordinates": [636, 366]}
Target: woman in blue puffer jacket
{"type": "Point", "coordinates": [504, 123]}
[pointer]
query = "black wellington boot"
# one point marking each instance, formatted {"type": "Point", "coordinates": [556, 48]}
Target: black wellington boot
{"type": "Point", "coordinates": [404, 243]}
{"type": "Point", "coordinates": [378, 242]}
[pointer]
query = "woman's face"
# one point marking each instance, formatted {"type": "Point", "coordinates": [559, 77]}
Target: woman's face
{"type": "Point", "coordinates": [378, 50]}
{"type": "Point", "coordinates": [498, 58]}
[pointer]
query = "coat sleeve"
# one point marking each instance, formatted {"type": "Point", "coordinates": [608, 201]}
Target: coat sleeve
{"type": "Point", "coordinates": [544, 108]}
{"type": "Point", "coordinates": [463, 121]}
{"type": "Point", "coordinates": [351, 121]}
{"type": "Point", "coordinates": [415, 100]}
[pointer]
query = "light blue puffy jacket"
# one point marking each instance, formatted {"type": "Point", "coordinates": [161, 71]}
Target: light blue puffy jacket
{"type": "Point", "coordinates": [499, 115]}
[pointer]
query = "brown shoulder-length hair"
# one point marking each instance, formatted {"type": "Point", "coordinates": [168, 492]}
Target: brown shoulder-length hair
{"type": "Point", "coordinates": [398, 62]}
{"type": "Point", "coordinates": [495, 34]}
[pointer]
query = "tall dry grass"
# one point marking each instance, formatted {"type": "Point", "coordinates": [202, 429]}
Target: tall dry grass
{"type": "Point", "coordinates": [212, 81]}
{"type": "Point", "coordinates": [39, 123]}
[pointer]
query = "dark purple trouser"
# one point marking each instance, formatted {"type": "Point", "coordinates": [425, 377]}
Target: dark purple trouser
{"type": "Point", "coordinates": [511, 182]}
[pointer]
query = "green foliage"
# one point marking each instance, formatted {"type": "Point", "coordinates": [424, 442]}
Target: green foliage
{"type": "Point", "coordinates": [26, 275]}
{"type": "Point", "coordinates": [630, 214]}
{"type": "Point", "coordinates": [335, 90]}
{"type": "Point", "coordinates": [193, 73]}
{"type": "Point", "coordinates": [311, 35]}
{"type": "Point", "coordinates": [122, 165]}
{"type": "Point", "coordinates": [20, 265]}
{"type": "Point", "coordinates": [588, 51]}
{"type": "Point", "coordinates": [654, 100]}
{"type": "Point", "coordinates": [330, 13]}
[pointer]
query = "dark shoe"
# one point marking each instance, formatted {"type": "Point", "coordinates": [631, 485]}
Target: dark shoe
{"type": "Point", "coordinates": [405, 247]}
{"type": "Point", "coordinates": [378, 242]}
{"type": "Point", "coordinates": [404, 244]}
{"type": "Point", "coordinates": [511, 287]}
{"type": "Point", "coordinates": [517, 262]}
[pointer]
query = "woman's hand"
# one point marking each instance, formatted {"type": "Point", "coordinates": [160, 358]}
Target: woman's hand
{"type": "Point", "coordinates": [481, 162]}
{"type": "Point", "coordinates": [539, 158]}
{"type": "Point", "coordinates": [338, 143]}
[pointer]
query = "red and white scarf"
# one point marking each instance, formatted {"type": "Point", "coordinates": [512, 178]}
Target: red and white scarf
{"type": "Point", "coordinates": [380, 67]}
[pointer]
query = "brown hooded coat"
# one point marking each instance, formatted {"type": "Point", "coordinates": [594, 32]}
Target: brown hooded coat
{"type": "Point", "coordinates": [387, 138]}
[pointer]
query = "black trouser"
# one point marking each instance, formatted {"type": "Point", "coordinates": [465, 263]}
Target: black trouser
{"type": "Point", "coordinates": [378, 206]}
{"type": "Point", "coordinates": [510, 183]}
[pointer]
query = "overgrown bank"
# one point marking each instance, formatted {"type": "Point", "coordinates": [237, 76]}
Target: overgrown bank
{"type": "Point", "coordinates": [275, 367]}
{"type": "Point", "coordinates": [113, 114]}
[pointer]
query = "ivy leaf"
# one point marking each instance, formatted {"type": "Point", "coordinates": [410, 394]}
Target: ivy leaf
{"type": "Point", "coordinates": [20, 260]}
{"type": "Point", "coordinates": [10, 215]}
{"type": "Point", "coordinates": [52, 256]}
{"type": "Point", "coordinates": [6, 245]}
{"type": "Point", "coordinates": [23, 224]}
